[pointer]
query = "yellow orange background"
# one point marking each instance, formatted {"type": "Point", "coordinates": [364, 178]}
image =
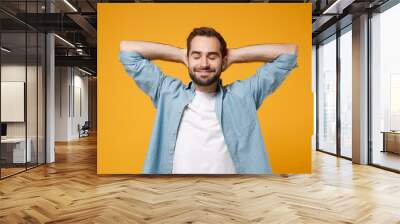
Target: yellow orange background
{"type": "Point", "coordinates": [126, 115]}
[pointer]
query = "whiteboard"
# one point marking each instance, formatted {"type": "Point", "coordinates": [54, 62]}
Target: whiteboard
{"type": "Point", "coordinates": [12, 101]}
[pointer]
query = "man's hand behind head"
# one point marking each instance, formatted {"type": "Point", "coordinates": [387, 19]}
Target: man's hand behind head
{"type": "Point", "coordinates": [184, 57]}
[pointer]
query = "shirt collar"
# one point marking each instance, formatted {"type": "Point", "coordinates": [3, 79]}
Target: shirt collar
{"type": "Point", "coordinates": [191, 86]}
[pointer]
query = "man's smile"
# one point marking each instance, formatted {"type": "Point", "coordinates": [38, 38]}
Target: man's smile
{"type": "Point", "coordinates": [204, 71]}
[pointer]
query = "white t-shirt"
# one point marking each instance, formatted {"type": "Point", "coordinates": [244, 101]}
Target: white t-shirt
{"type": "Point", "coordinates": [200, 146]}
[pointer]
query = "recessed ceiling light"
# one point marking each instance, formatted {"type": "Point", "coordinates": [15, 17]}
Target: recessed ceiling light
{"type": "Point", "coordinates": [84, 71]}
{"type": "Point", "coordinates": [337, 7]}
{"type": "Point", "coordinates": [64, 40]}
{"type": "Point", "coordinates": [70, 5]}
{"type": "Point", "coordinates": [5, 50]}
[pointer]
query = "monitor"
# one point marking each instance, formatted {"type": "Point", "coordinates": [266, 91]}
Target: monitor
{"type": "Point", "coordinates": [3, 129]}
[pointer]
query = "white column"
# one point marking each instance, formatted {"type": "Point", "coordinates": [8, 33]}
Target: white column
{"type": "Point", "coordinates": [50, 110]}
{"type": "Point", "coordinates": [50, 91]}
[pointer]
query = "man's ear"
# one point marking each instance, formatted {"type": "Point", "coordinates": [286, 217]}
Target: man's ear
{"type": "Point", "coordinates": [224, 63]}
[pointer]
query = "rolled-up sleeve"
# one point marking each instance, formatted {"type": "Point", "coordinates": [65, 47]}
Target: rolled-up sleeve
{"type": "Point", "coordinates": [147, 75]}
{"type": "Point", "coordinates": [269, 77]}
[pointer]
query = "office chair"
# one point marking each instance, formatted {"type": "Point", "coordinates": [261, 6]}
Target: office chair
{"type": "Point", "coordinates": [84, 130]}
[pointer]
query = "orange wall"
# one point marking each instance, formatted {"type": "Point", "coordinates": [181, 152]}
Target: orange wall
{"type": "Point", "coordinates": [126, 115]}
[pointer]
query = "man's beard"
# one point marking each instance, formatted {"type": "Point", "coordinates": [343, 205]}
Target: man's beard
{"type": "Point", "coordinates": [207, 82]}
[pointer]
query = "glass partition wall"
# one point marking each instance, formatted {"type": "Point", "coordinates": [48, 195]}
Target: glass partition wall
{"type": "Point", "coordinates": [22, 88]}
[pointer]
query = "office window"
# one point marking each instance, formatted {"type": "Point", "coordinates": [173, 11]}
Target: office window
{"type": "Point", "coordinates": [385, 88]}
{"type": "Point", "coordinates": [346, 92]}
{"type": "Point", "coordinates": [327, 95]}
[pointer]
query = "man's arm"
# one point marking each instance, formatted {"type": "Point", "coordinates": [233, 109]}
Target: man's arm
{"type": "Point", "coordinates": [281, 60]}
{"type": "Point", "coordinates": [262, 52]}
{"type": "Point", "coordinates": [155, 51]}
{"type": "Point", "coordinates": [136, 57]}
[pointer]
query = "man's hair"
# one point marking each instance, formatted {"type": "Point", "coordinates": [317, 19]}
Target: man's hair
{"type": "Point", "coordinates": [207, 32]}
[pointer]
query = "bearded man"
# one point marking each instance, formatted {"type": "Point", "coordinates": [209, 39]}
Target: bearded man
{"type": "Point", "coordinates": [205, 127]}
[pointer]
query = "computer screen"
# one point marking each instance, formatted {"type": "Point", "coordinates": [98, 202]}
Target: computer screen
{"type": "Point", "coordinates": [3, 129]}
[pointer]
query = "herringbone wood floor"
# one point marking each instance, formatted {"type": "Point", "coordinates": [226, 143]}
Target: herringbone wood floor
{"type": "Point", "coordinates": [70, 191]}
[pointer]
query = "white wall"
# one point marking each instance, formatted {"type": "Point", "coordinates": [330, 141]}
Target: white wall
{"type": "Point", "coordinates": [71, 93]}
{"type": "Point", "coordinates": [12, 73]}
{"type": "Point", "coordinates": [81, 84]}
{"type": "Point", "coordinates": [61, 103]}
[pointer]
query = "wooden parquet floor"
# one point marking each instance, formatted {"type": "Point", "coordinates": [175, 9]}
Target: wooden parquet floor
{"type": "Point", "coordinates": [70, 191]}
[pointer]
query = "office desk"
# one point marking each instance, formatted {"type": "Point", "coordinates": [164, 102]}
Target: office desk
{"type": "Point", "coordinates": [391, 141]}
{"type": "Point", "coordinates": [15, 148]}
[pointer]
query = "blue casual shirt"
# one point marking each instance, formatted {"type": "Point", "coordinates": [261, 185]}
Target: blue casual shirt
{"type": "Point", "coordinates": [236, 107]}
